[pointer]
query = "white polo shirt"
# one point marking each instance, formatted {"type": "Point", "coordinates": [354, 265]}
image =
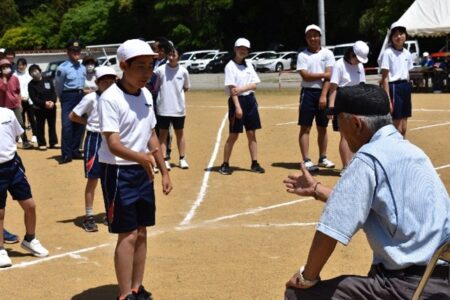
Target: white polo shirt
{"type": "Point", "coordinates": [240, 75]}
{"type": "Point", "coordinates": [88, 105]}
{"type": "Point", "coordinates": [171, 83]}
{"type": "Point", "coordinates": [9, 130]}
{"type": "Point", "coordinates": [131, 116]}
{"type": "Point", "coordinates": [397, 62]}
{"type": "Point", "coordinates": [314, 62]}
{"type": "Point", "coordinates": [345, 74]}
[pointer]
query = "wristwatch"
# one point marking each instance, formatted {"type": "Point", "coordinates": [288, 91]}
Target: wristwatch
{"type": "Point", "coordinates": [304, 282]}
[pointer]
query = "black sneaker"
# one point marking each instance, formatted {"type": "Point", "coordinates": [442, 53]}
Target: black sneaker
{"type": "Point", "coordinates": [128, 297]}
{"type": "Point", "coordinates": [27, 145]}
{"type": "Point", "coordinates": [257, 168]}
{"type": "Point", "coordinates": [142, 294]}
{"type": "Point", "coordinates": [89, 224]}
{"type": "Point", "coordinates": [225, 169]}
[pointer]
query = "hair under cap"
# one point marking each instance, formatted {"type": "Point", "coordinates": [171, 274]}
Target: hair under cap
{"type": "Point", "coordinates": [363, 100]}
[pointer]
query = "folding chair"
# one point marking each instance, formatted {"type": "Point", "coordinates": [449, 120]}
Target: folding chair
{"type": "Point", "coordinates": [442, 253]}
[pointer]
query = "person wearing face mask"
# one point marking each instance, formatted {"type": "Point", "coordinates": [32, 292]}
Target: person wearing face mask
{"type": "Point", "coordinates": [42, 93]}
{"type": "Point", "coordinates": [10, 96]}
{"type": "Point", "coordinates": [89, 83]}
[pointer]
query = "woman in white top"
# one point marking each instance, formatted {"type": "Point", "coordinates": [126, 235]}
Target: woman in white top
{"type": "Point", "coordinates": [347, 71]}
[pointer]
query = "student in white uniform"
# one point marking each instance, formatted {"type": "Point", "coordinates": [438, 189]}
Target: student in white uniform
{"type": "Point", "coordinates": [172, 83]}
{"type": "Point", "coordinates": [396, 62]}
{"type": "Point", "coordinates": [240, 85]}
{"type": "Point", "coordinates": [314, 65]}
{"type": "Point", "coordinates": [14, 181]}
{"type": "Point", "coordinates": [105, 77]}
{"type": "Point", "coordinates": [347, 71]}
{"type": "Point", "coordinates": [127, 155]}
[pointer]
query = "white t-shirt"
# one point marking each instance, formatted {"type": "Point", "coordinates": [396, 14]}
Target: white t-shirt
{"type": "Point", "coordinates": [129, 115]}
{"type": "Point", "coordinates": [89, 82]}
{"type": "Point", "coordinates": [345, 74]}
{"type": "Point", "coordinates": [240, 75]}
{"type": "Point", "coordinates": [171, 83]}
{"type": "Point", "coordinates": [24, 79]}
{"type": "Point", "coordinates": [9, 130]}
{"type": "Point", "coordinates": [397, 62]}
{"type": "Point", "coordinates": [88, 105]}
{"type": "Point", "coordinates": [314, 62]}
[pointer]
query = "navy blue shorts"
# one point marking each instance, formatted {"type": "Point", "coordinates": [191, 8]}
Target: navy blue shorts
{"type": "Point", "coordinates": [129, 197]}
{"type": "Point", "coordinates": [250, 115]}
{"type": "Point", "coordinates": [400, 92]}
{"type": "Point", "coordinates": [309, 108]}
{"type": "Point", "coordinates": [92, 143]}
{"type": "Point", "coordinates": [13, 180]}
{"type": "Point", "coordinates": [165, 121]}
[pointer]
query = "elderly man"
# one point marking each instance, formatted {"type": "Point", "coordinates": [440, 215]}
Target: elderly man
{"type": "Point", "coordinates": [392, 192]}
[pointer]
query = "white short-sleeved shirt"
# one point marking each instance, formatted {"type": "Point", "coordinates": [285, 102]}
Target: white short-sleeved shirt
{"type": "Point", "coordinates": [314, 62]}
{"type": "Point", "coordinates": [88, 105]}
{"type": "Point", "coordinates": [131, 116]}
{"type": "Point", "coordinates": [89, 82]}
{"type": "Point", "coordinates": [24, 79]}
{"type": "Point", "coordinates": [9, 130]}
{"type": "Point", "coordinates": [345, 74]}
{"type": "Point", "coordinates": [397, 62]}
{"type": "Point", "coordinates": [240, 75]}
{"type": "Point", "coordinates": [171, 83]}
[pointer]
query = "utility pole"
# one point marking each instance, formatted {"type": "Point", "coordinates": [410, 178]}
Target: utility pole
{"type": "Point", "coordinates": [321, 6]}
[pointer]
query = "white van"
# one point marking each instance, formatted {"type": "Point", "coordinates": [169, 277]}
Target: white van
{"type": "Point", "coordinates": [189, 57]}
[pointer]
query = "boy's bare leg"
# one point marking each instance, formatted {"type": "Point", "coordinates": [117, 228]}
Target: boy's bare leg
{"type": "Point", "coordinates": [181, 142]}
{"type": "Point", "coordinates": [124, 260]}
{"type": "Point", "coordinates": [89, 192]}
{"type": "Point", "coordinates": [2, 219]}
{"type": "Point", "coordinates": [232, 138]}
{"type": "Point", "coordinates": [163, 133]}
{"type": "Point", "coordinates": [29, 209]}
{"type": "Point", "coordinates": [303, 141]}
{"type": "Point", "coordinates": [322, 140]}
{"type": "Point", "coordinates": [252, 145]}
{"type": "Point", "coordinates": [140, 253]}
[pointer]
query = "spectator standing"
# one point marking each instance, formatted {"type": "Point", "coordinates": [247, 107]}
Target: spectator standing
{"type": "Point", "coordinates": [89, 63]}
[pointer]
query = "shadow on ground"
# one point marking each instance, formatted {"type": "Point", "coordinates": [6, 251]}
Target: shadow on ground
{"type": "Point", "coordinates": [78, 221]}
{"type": "Point", "coordinates": [233, 169]}
{"type": "Point", "coordinates": [296, 166]}
{"type": "Point", "coordinates": [104, 292]}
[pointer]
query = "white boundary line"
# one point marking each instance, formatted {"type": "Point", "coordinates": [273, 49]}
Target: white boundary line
{"type": "Point", "coordinates": [287, 123]}
{"type": "Point", "coordinates": [431, 110]}
{"type": "Point", "coordinates": [429, 126]}
{"type": "Point", "coordinates": [204, 186]}
{"type": "Point", "coordinates": [442, 167]}
{"type": "Point", "coordinates": [295, 224]}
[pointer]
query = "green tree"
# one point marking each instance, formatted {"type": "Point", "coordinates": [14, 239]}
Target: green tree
{"type": "Point", "coordinates": [9, 17]}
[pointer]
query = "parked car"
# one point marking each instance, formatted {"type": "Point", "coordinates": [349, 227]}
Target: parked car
{"type": "Point", "coordinates": [50, 71]}
{"type": "Point", "coordinates": [199, 65]}
{"type": "Point", "coordinates": [218, 64]}
{"type": "Point", "coordinates": [339, 50]}
{"type": "Point", "coordinates": [187, 58]}
{"type": "Point", "coordinates": [110, 61]}
{"type": "Point", "coordinates": [253, 57]}
{"type": "Point", "coordinates": [276, 62]}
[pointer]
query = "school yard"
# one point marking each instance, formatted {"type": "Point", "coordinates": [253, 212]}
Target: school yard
{"type": "Point", "coordinates": [217, 237]}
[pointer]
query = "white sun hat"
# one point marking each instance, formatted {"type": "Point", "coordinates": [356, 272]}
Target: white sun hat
{"type": "Point", "coordinates": [313, 27]}
{"type": "Point", "coordinates": [242, 42]}
{"type": "Point", "coordinates": [361, 51]}
{"type": "Point", "coordinates": [101, 71]}
{"type": "Point", "coordinates": [133, 48]}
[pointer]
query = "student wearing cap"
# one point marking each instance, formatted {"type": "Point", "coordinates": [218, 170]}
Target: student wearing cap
{"type": "Point", "coordinates": [105, 77]}
{"type": "Point", "coordinates": [404, 222]}
{"type": "Point", "coordinates": [42, 93]}
{"type": "Point", "coordinates": [427, 61]}
{"type": "Point", "coordinates": [240, 85]}
{"type": "Point", "coordinates": [347, 71]}
{"type": "Point", "coordinates": [69, 84]}
{"type": "Point", "coordinates": [314, 65]}
{"type": "Point", "coordinates": [396, 62]}
{"type": "Point", "coordinates": [128, 153]}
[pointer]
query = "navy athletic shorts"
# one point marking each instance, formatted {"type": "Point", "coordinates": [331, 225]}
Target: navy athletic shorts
{"type": "Point", "coordinates": [92, 143]}
{"type": "Point", "coordinates": [129, 197]}
{"type": "Point", "coordinates": [250, 115]}
{"type": "Point", "coordinates": [165, 121]}
{"type": "Point", "coordinates": [309, 108]}
{"type": "Point", "coordinates": [400, 92]}
{"type": "Point", "coordinates": [14, 181]}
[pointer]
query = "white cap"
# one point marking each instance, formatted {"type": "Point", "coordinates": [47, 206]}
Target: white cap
{"type": "Point", "coordinates": [361, 51]}
{"type": "Point", "coordinates": [397, 24]}
{"type": "Point", "coordinates": [133, 48]}
{"type": "Point", "coordinates": [426, 54]}
{"type": "Point", "coordinates": [101, 71]}
{"type": "Point", "coordinates": [242, 42]}
{"type": "Point", "coordinates": [313, 27]}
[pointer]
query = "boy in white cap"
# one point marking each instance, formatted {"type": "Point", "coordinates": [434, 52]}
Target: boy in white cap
{"type": "Point", "coordinates": [105, 77]}
{"type": "Point", "coordinates": [314, 65]}
{"type": "Point", "coordinates": [240, 85]}
{"type": "Point", "coordinates": [128, 152]}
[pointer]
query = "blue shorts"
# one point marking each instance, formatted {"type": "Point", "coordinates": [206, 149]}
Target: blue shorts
{"type": "Point", "coordinates": [92, 143]}
{"type": "Point", "coordinates": [129, 197]}
{"type": "Point", "coordinates": [14, 180]}
{"type": "Point", "coordinates": [309, 108]}
{"type": "Point", "coordinates": [400, 92]}
{"type": "Point", "coordinates": [165, 121]}
{"type": "Point", "coordinates": [250, 115]}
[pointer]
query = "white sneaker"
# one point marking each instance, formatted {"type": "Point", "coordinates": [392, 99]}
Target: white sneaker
{"type": "Point", "coordinates": [310, 166]}
{"type": "Point", "coordinates": [5, 261]}
{"type": "Point", "coordinates": [168, 167]}
{"type": "Point", "coordinates": [20, 140]}
{"type": "Point", "coordinates": [34, 139]}
{"type": "Point", "coordinates": [326, 163]}
{"type": "Point", "coordinates": [184, 164]}
{"type": "Point", "coordinates": [35, 248]}
{"type": "Point", "coordinates": [155, 170]}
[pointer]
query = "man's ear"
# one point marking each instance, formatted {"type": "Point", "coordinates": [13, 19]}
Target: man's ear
{"type": "Point", "coordinates": [123, 65]}
{"type": "Point", "coordinates": [357, 124]}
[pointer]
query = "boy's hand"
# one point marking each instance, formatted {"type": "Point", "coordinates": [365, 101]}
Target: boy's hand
{"type": "Point", "coordinates": [166, 184]}
{"type": "Point", "coordinates": [238, 113]}
{"type": "Point", "coordinates": [148, 162]}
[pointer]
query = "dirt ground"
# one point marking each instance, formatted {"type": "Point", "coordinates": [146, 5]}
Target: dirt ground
{"type": "Point", "coordinates": [217, 237]}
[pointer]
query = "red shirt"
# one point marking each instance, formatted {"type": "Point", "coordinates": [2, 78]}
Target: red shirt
{"type": "Point", "coordinates": [10, 93]}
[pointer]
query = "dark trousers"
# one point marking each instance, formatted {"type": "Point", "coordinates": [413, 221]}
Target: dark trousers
{"type": "Point", "coordinates": [28, 115]}
{"type": "Point", "coordinates": [71, 133]}
{"type": "Point", "coordinates": [49, 116]}
{"type": "Point", "coordinates": [380, 284]}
